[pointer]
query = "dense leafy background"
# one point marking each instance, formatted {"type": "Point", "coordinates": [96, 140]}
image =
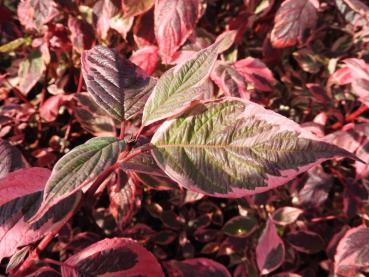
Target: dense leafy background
{"type": "Point", "coordinates": [305, 59]}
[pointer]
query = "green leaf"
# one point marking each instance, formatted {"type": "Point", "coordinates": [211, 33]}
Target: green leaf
{"type": "Point", "coordinates": [14, 44]}
{"type": "Point", "coordinates": [77, 168]}
{"type": "Point", "coordinates": [179, 86]}
{"type": "Point", "coordinates": [233, 148]}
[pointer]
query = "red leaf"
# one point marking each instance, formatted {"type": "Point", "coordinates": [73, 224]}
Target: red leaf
{"type": "Point", "coordinates": [291, 21]}
{"type": "Point", "coordinates": [352, 253]}
{"type": "Point", "coordinates": [270, 250]}
{"type": "Point", "coordinates": [174, 23]}
{"type": "Point", "coordinates": [256, 73]}
{"type": "Point", "coordinates": [196, 267]}
{"type": "Point", "coordinates": [146, 58]}
{"type": "Point", "coordinates": [144, 30]}
{"type": "Point", "coordinates": [113, 257]}
{"type": "Point", "coordinates": [82, 34]}
{"type": "Point", "coordinates": [50, 108]}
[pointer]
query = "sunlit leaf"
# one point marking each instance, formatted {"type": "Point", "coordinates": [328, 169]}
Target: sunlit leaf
{"type": "Point", "coordinates": [179, 87]}
{"type": "Point", "coordinates": [352, 253]}
{"type": "Point", "coordinates": [113, 257]}
{"type": "Point", "coordinates": [10, 157]}
{"type": "Point", "coordinates": [354, 11]}
{"type": "Point", "coordinates": [270, 251]}
{"type": "Point", "coordinates": [232, 148]}
{"type": "Point", "coordinates": [286, 215]}
{"type": "Point", "coordinates": [174, 23]}
{"type": "Point", "coordinates": [291, 21]}
{"type": "Point", "coordinates": [240, 226]}
{"type": "Point", "coordinates": [21, 193]}
{"type": "Point", "coordinates": [136, 7]}
{"type": "Point", "coordinates": [116, 84]}
{"type": "Point", "coordinates": [78, 167]}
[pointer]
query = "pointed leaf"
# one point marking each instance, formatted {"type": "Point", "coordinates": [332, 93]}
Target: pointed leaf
{"type": "Point", "coordinates": [146, 58]}
{"type": "Point", "coordinates": [291, 21]}
{"type": "Point", "coordinates": [117, 85]}
{"type": "Point", "coordinates": [113, 257]}
{"type": "Point", "coordinates": [136, 7]}
{"type": "Point", "coordinates": [174, 23]}
{"type": "Point", "coordinates": [270, 250]}
{"type": "Point", "coordinates": [10, 157]}
{"type": "Point", "coordinates": [78, 167]}
{"type": "Point", "coordinates": [30, 71]}
{"type": "Point", "coordinates": [352, 253]}
{"type": "Point", "coordinates": [255, 73]}
{"type": "Point", "coordinates": [306, 241]}
{"type": "Point", "coordinates": [233, 148]}
{"type": "Point", "coordinates": [240, 226]}
{"type": "Point", "coordinates": [179, 87]}
{"type": "Point", "coordinates": [286, 215]}
{"type": "Point", "coordinates": [196, 267]}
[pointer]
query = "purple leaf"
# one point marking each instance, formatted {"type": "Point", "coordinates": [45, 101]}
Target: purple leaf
{"type": "Point", "coordinates": [306, 241]}
{"type": "Point", "coordinates": [196, 267]}
{"type": "Point", "coordinates": [117, 85]}
{"type": "Point", "coordinates": [286, 215]}
{"type": "Point", "coordinates": [113, 257]}
{"type": "Point", "coordinates": [270, 250]}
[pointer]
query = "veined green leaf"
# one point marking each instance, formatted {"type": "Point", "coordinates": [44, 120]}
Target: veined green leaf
{"type": "Point", "coordinates": [78, 168]}
{"type": "Point", "coordinates": [179, 86]}
{"type": "Point", "coordinates": [233, 148]}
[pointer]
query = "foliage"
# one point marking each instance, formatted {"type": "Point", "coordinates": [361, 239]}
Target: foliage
{"type": "Point", "coordinates": [184, 138]}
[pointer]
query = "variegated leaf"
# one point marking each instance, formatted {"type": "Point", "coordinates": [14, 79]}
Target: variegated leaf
{"type": "Point", "coordinates": [234, 147]}
{"type": "Point", "coordinates": [113, 257]}
{"type": "Point", "coordinates": [179, 86]}
{"type": "Point", "coordinates": [78, 168]}
{"type": "Point", "coordinates": [117, 85]}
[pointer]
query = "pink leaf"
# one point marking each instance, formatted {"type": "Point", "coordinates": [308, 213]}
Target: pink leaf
{"type": "Point", "coordinates": [146, 58]}
{"type": "Point", "coordinates": [143, 31]}
{"type": "Point", "coordinates": [113, 257]}
{"type": "Point", "coordinates": [270, 250]}
{"type": "Point", "coordinates": [13, 185]}
{"type": "Point", "coordinates": [82, 34]}
{"type": "Point", "coordinates": [174, 23]}
{"type": "Point", "coordinates": [352, 253]}
{"type": "Point", "coordinates": [196, 267]}
{"type": "Point", "coordinates": [256, 73]}
{"type": "Point", "coordinates": [291, 21]}
{"type": "Point", "coordinates": [20, 202]}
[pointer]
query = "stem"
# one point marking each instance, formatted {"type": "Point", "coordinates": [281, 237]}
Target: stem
{"type": "Point", "coordinates": [139, 132]}
{"type": "Point", "coordinates": [135, 152]}
{"type": "Point", "coordinates": [19, 94]}
{"type": "Point", "coordinates": [122, 129]}
{"type": "Point", "coordinates": [352, 116]}
{"type": "Point", "coordinates": [80, 82]}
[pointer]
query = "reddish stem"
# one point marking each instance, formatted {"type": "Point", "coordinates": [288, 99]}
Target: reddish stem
{"type": "Point", "coordinates": [122, 129]}
{"type": "Point", "coordinates": [352, 116]}
{"type": "Point", "coordinates": [80, 82]}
